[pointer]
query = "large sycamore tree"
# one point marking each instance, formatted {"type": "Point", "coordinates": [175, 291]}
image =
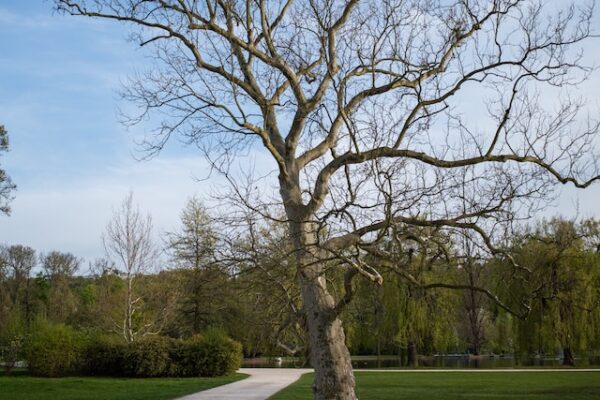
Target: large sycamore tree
{"type": "Point", "coordinates": [379, 115]}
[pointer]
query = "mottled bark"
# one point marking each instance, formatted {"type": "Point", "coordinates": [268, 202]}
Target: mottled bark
{"type": "Point", "coordinates": [334, 378]}
{"type": "Point", "coordinates": [330, 357]}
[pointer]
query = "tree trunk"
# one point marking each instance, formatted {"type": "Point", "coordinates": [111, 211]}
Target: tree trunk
{"type": "Point", "coordinates": [128, 320]}
{"type": "Point", "coordinates": [568, 357]}
{"type": "Point", "coordinates": [413, 360]}
{"type": "Point", "coordinates": [334, 378]}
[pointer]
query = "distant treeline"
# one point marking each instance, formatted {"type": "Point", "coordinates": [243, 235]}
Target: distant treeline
{"type": "Point", "coordinates": [540, 294]}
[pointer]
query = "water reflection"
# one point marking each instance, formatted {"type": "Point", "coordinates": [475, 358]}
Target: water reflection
{"type": "Point", "coordinates": [445, 361]}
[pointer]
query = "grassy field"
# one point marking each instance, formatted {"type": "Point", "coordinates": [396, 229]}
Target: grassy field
{"type": "Point", "coordinates": [463, 385]}
{"type": "Point", "coordinates": [22, 387]}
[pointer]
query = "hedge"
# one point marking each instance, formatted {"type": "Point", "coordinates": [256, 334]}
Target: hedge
{"type": "Point", "coordinates": [148, 357]}
{"type": "Point", "coordinates": [210, 354]}
{"type": "Point", "coordinates": [55, 350]}
{"type": "Point", "coordinates": [105, 355]}
{"type": "Point", "coordinates": [58, 350]}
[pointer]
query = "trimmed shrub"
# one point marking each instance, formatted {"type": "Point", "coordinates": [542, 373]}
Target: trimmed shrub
{"type": "Point", "coordinates": [223, 354]}
{"type": "Point", "coordinates": [188, 357]}
{"type": "Point", "coordinates": [54, 350]}
{"type": "Point", "coordinates": [148, 357]}
{"type": "Point", "coordinates": [210, 354]}
{"type": "Point", "coordinates": [105, 355]}
{"type": "Point", "coordinates": [58, 350]}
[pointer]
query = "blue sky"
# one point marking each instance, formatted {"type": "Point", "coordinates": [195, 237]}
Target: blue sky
{"type": "Point", "coordinates": [71, 159]}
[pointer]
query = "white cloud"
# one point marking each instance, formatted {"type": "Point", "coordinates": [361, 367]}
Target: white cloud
{"type": "Point", "coordinates": [71, 215]}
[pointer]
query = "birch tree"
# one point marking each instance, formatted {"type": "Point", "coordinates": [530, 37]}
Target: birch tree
{"type": "Point", "coordinates": [128, 241]}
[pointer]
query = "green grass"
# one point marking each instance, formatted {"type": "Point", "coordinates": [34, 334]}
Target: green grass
{"type": "Point", "coordinates": [463, 385]}
{"type": "Point", "coordinates": [83, 388]}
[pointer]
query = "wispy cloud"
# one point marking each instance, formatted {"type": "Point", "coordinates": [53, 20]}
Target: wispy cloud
{"type": "Point", "coordinates": [71, 215]}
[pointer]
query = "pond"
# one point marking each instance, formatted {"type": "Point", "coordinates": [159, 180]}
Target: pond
{"type": "Point", "coordinates": [438, 361]}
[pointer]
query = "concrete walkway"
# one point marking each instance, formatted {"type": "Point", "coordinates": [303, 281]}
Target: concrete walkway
{"type": "Point", "coordinates": [260, 385]}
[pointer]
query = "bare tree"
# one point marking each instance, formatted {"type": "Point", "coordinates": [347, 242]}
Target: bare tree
{"type": "Point", "coordinates": [378, 114]}
{"type": "Point", "coordinates": [58, 265]}
{"type": "Point", "coordinates": [6, 184]}
{"type": "Point", "coordinates": [128, 241]}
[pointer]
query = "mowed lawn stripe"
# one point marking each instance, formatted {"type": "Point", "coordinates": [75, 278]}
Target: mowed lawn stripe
{"type": "Point", "coordinates": [463, 385]}
{"type": "Point", "coordinates": [84, 388]}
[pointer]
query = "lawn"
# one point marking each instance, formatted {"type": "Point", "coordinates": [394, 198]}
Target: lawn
{"type": "Point", "coordinates": [463, 385]}
{"type": "Point", "coordinates": [22, 387]}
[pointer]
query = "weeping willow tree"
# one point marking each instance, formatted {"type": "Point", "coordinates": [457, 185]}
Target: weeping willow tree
{"type": "Point", "coordinates": [414, 312]}
{"type": "Point", "coordinates": [565, 272]}
{"type": "Point", "coordinates": [396, 319]}
{"type": "Point", "coordinates": [426, 323]}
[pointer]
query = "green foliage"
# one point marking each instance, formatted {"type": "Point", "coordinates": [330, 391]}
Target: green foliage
{"type": "Point", "coordinates": [558, 278]}
{"type": "Point", "coordinates": [12, 339]}
{"type": "Point", "coordinates": [148, 357]}
{"type": "Point", "coordinates": [105, 355]}
{"type": "Point", "coordinates": [54, 350]}
{"type": "Point", "coordinates": [89, 294]}
{"type": "Point", "coordinates": [564, 263]}
{"type": "Point", "coordinates": [387, 319]}
{"type": "Point", "coordinates": [210, 354]}
{"type": "Point", "coordinates": [222, 355]}
{"type": "Point", "coordinates": [188, 357]}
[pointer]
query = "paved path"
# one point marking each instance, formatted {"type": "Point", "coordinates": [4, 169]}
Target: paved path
{"type": "Point", "coordinates": [265, 382]}
{"type": "Point", "coordinates": [260, 385]}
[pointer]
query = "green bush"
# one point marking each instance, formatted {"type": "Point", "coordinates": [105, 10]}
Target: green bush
{"type": "Point", "coordinates": [221, 354]}
{"type": "Point", "coordinates": [105, 355]}
{"type": "Point", "coordinates": [210, 354]}
{"type": "Point", "coordinates": [12, 339]}
{"type": "Point", "coordinates": [148, 357]}
{"type": "Point", "coordinates": [187, 357]}
{"type": "Point", "coordinates": [55, 350]}
{"type": "Point", "coordinates": [58, 350]}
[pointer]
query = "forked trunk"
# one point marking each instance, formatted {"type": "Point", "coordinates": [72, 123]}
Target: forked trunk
{"type": "Point", "coordinates": [334, 378]}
